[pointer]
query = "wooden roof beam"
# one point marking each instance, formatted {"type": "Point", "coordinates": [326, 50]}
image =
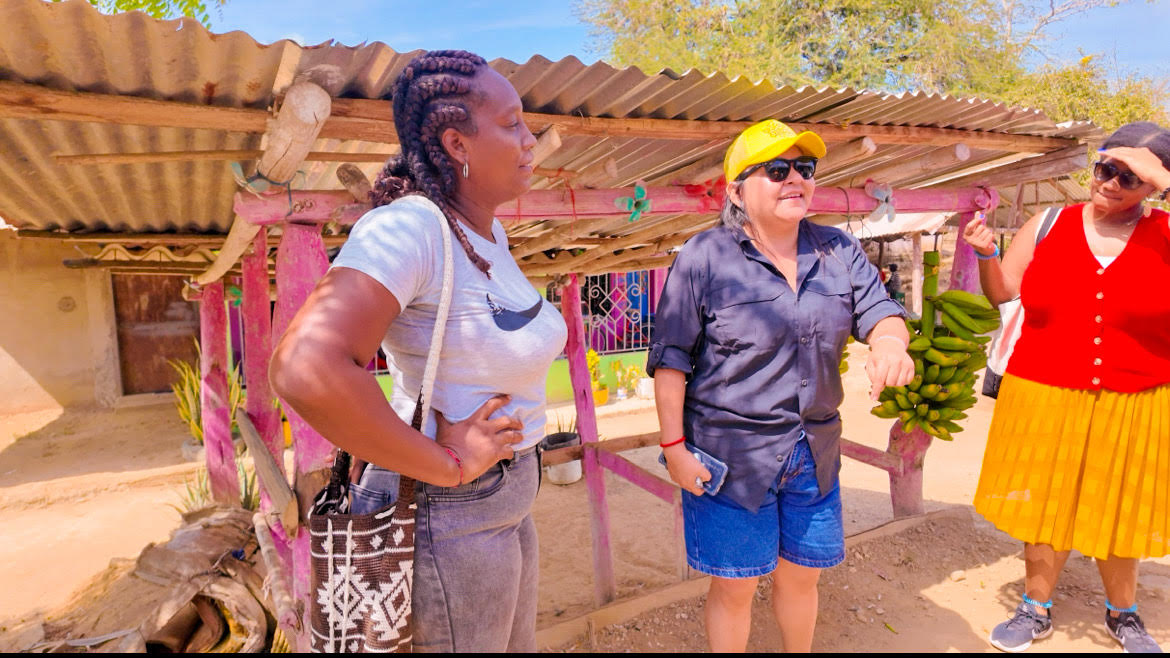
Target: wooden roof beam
{"type": "Point", "coordinates": [558, 205]}
{"type": "Point", "coordinates": [372, 121]}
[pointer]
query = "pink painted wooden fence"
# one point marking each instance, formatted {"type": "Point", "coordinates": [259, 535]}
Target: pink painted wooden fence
{"type": "Point", "coordinates": [219, 450]}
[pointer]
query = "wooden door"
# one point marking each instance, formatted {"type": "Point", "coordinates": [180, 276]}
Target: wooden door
{"type": "Point", "coordinates": [155, 324]}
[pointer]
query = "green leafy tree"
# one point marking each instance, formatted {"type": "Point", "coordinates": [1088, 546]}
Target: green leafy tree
{"type": "Point", "coordinates": [197, 9]}
{"type": "Point", "coordinates": [959, 47]}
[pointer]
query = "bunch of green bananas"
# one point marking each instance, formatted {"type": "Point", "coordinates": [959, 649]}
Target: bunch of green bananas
{"type": "Point", "coordinates": [947, 359]}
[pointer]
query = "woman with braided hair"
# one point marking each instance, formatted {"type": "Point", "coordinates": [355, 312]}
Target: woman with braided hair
{"type": "Point", "coordinates": [465, 151]}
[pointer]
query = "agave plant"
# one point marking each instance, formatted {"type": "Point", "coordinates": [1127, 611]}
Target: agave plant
{"type": "Point", "coordinates": [187, 391]}
{"type": "Point", "coordinates": [196, 493]}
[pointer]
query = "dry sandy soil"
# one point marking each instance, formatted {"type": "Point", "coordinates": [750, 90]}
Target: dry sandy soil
{"type": "Point", "coordinates": [82, 488]}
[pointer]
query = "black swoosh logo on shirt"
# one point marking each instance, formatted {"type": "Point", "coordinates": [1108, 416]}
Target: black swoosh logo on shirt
{"type": "Point", "coordinates": [509, 320]}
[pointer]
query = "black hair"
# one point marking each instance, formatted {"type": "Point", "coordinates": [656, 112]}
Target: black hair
{"type": "Point", "coordinates": [434, 92]}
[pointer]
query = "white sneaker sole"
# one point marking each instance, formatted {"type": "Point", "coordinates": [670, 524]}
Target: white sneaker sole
{"type": "Point", "coordinates": [1023, 647]}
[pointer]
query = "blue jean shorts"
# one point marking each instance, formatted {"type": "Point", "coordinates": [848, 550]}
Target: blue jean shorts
{"type": "Point", "coordinates": [796, 522]}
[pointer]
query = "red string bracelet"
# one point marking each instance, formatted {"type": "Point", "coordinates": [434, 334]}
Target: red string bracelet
{"type": "Point", "coordinates": [458, 462]}
{"type": "Point", "coordinates": [672, 443]}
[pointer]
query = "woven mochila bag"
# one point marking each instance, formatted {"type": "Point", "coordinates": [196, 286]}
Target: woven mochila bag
{"type": "Point", "coordinates": [363, 564]}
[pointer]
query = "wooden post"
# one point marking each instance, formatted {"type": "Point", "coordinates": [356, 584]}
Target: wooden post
{"type": "Point", "coordinates": [916, 273]}
{"type": "Point", "coordinates": [257, 316]}
{"type": "Point", "coordinates": [604, 584]}
{"type": "Point", "coordinates": [906, 481]}
{"type": "Point", "coordinates": [216, 417]}
{"type": "Point", "coordinates": [300, 262]}
{"type": "Point", "coordinates": [964, 268]}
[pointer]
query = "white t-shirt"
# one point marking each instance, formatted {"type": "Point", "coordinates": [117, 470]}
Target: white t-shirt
{"type": "Point", "coordinates": [501, 335]}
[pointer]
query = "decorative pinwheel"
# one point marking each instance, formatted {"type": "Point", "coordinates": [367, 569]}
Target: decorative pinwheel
{"type": "Point", "coordinates": [636, 205]}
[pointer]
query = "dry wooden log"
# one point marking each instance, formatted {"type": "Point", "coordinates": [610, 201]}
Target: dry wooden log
{"type": "Point", "coordinates": [202, 156]}
{"type": "Point", "coordinates": [289, 138]}
{"type": "Point", "coordinates": [354, 180]}
{"type": "Point", "coordinates": [847, 153]}
{"type": "Point", "coordinates": [929, 163]}
{"type": "Point", "coordinates": [270, 474]}
{"type": "Point", "coordinates": [288, 613]}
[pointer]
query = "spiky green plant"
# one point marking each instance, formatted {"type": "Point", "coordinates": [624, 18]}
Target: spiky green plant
{"type": "Point", "coordinates": [196, 493]}
{"type": "Point", "coordinates": [188, 388]}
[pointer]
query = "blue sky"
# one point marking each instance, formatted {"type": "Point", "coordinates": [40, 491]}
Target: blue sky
{"type": "Point", "coordinates": [1129, 35]}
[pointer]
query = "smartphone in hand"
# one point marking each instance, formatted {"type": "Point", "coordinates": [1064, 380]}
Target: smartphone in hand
{"type": "Point", "coordinates": [717, 468]}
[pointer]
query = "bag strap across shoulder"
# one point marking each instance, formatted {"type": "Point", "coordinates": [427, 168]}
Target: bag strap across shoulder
{"type": "Point", "coordinates": [1050, 216]}
{"type": "Point", "coordinates": [340, 476]}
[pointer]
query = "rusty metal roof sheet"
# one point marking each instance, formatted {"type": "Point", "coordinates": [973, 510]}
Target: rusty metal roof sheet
{"type": "Point", "coordinates": [71, 46]}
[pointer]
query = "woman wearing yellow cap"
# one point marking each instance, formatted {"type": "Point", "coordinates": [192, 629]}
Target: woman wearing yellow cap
{"type": "Point", "coordinates": [747, 341]}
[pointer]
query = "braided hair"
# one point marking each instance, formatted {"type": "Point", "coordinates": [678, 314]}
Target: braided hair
{"type": "Point", "coordinates": [430, 95]}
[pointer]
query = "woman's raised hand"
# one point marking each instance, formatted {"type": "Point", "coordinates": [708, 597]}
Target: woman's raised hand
{"type": "Point", "coordinates": [685, 469]}
{"type": "Point", "coordinates": [979, 236]}
{"type": "Point", "coordinates": [1142, 162]}
{"type": "Point", "coordinates": [480, 440]}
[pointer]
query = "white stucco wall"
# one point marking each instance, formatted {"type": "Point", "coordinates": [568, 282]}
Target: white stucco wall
{"type": "Point", "coordinates": [57, 335]}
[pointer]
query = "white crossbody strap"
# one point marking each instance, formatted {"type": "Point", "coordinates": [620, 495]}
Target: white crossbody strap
{"type": "Point", "coordinates": [432, 365]}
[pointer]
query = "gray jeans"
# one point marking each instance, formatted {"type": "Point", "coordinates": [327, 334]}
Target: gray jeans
{"type": "Point", "coordinates": [475, 557]}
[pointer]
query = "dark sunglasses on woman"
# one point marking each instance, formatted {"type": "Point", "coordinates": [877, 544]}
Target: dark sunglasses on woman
{"type": "Point", "coordinates": [777, 170]}
{"type": "Point", "coordinates": [1104, 172]}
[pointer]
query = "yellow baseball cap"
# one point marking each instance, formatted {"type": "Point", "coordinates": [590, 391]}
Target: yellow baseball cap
{"type": "Point", "coordinates": [764, 141]}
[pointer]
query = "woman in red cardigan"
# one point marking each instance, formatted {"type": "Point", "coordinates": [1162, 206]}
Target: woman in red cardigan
{"type": "Point", "coordinates": [1078, 454]}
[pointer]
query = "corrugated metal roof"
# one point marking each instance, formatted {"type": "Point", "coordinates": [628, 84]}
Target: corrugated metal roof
{"type": "Point", "coordinates": [71, 46]}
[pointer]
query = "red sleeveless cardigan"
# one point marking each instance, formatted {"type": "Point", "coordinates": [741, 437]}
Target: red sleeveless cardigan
{"type": "Point", "coordinates": [1089, 327]}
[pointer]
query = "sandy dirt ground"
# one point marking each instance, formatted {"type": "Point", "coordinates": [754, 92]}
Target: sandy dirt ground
{"type": "Point", "coordinates": [82, 488]}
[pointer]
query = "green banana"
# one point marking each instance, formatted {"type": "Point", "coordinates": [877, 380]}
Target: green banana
{"type": "Point", "coordinates": [938, 357]}
{"type": "Point", "coordinates": [954, 344]}
{"type": "Point", "coordinates": [914, 398]}
{"type": "Point", "coordinates": [915, 383]}
{"type": "Point", "coordinates": [909, 423]}
{"type": "Point", "coordinates": [886, 394]}
{"type": "Point", "coordinates": [881, 412]}
{"type": "Point", "coordinates": [931, 374]}
{"type": "Point", "coordinates": [902, 401]}
{"type": "Point", "coordinates": [922, 409]}
{"type": "Point", "coordinates": [929, 391]}
{"type": "Point", "coordinates": [945, 375]}
{"type": "Point", "coordinates": [955, 328]}
{"type": "Point", "coordinates": [960, 297]}
{"type": "Point", "coordinates": [943, 394]}
{"type": "Point", "coordinates": [919, 344]}
{"type": "Point", "coordinates": [905, 415]}
{"type": "Point", "coordinates": [918, 366]}
{"type": "Point", "coordinates": [950, 426]}
{"type": "Point", "coordinates": [961, 317]}
{"type": "Point", "coordinates": [933, 415]}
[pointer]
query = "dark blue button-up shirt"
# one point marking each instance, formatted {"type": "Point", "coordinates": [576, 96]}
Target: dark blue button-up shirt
{"type": "Point", "coordinates": [761, 360]}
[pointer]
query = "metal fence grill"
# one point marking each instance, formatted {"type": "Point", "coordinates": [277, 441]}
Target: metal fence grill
{"type": "Point", "coordinates": [618, 315]}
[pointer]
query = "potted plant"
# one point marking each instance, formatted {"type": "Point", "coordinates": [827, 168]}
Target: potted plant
{"type": "Point", "coordinates": [565, 436]}
{"type": "Point", "coordinates": [626, 379]}
{"type": "Point", "coordinates": [600, 392]}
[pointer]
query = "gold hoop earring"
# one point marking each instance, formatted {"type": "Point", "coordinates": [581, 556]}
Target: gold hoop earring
{"type": "Point", "coordinates": [465, 170]}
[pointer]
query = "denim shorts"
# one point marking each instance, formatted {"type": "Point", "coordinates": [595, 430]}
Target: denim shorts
{"type": "Point", "coordinates": [796, 522]}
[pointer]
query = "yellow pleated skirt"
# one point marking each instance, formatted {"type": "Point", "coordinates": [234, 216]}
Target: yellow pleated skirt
{"type": "Point", "coordinates": [1079, 469]}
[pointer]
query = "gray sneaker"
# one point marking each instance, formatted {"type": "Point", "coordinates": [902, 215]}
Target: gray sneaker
{"type": "Point", "coordinates": [1017, 633]}
{"type": "Point", "coordinates": [1129, 631]}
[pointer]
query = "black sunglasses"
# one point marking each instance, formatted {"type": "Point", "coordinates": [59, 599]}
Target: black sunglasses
{"type": "Point", "coordinates": [1104, 172]}
{"type": "Point", "coordinates": [777, 170]}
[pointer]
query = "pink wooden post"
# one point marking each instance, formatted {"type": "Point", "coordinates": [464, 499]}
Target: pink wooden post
{"type": "Point", "coordinates": [965, 268]}
{"type": "Point", "coordinates": [300, 262]}
{"type": "Point", "coordinates": [216, 417]}
{"type": "Point", "coordinates": [906, 480]}
{"type": "Point", "coordinates": [257, 315]}
{"type": "Point", "coordinates": [604, 584]}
